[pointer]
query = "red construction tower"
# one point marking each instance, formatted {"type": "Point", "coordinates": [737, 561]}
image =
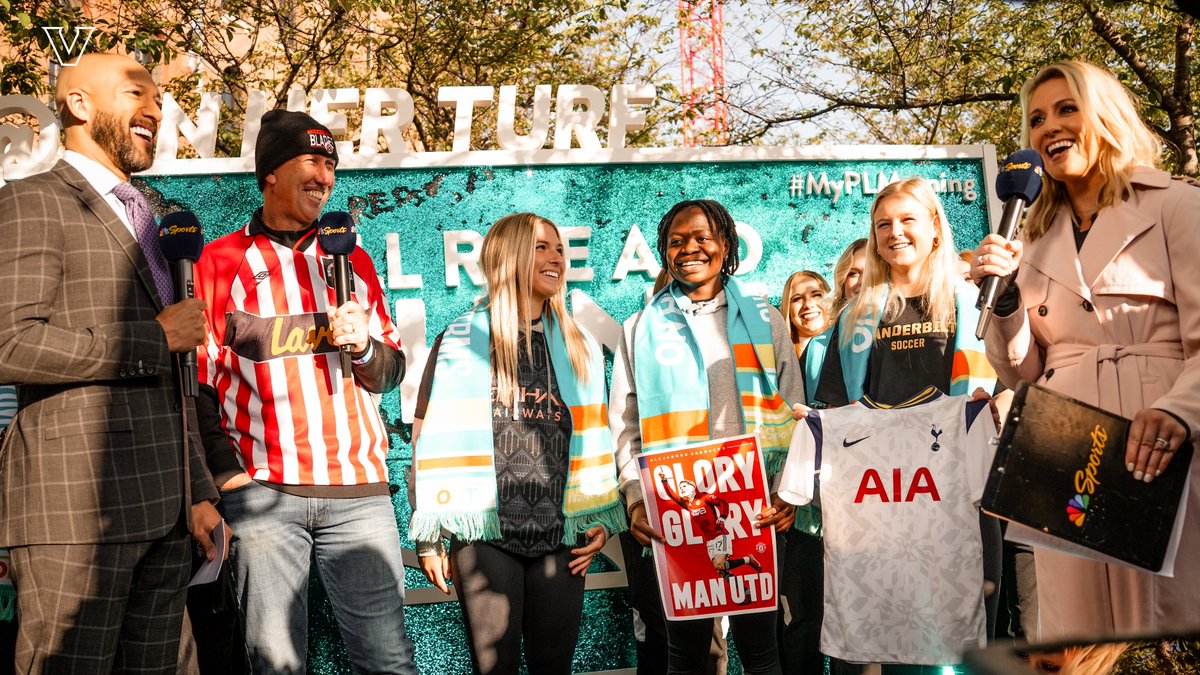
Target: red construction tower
{"type": "Point", "coordinates": [702, 53]}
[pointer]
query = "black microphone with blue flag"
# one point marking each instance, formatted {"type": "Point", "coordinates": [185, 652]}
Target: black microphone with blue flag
{"type": "Point", "coordinates": [181, 240]}
{"type": "Point", "coordinates": [1018, 185]}
{"type": "Point", "coordinates": [338, 237]}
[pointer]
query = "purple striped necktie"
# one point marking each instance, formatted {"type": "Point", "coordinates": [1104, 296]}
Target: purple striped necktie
{"type": "Point", "coordinates": [146, 230]}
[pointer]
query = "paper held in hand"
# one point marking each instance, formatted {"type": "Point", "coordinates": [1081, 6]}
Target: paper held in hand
{"type": "Point", "coordinates": [209, 571]}
{"type": "Point", "coordinates": [703, 499]}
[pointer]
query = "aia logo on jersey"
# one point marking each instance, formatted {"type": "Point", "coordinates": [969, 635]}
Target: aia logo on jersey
{"type": "Point", "coordinates": [935, 432]}
{"type": "Point", "coordinates": [921, 483]}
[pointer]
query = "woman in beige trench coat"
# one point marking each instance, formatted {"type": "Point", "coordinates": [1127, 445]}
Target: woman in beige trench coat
{"type": "Point", "coordinates": [1108, 311]}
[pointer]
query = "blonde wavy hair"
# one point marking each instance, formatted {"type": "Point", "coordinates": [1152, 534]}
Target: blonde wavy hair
{"type": "Point", "coordinates": [1094, 659]}
{"type": "Point", "coordinates": [1111, 121]}
{"type": "Point", "coordinates": [939, 273]}
{"type": "Point", "coordinates": [1098, 659]}
{"type": "Point", "coordinates": [785, 303]}
{"type": "Point", "coordinates": [507, 260]}
{"type": "Point", "coordinates": [841, 270]}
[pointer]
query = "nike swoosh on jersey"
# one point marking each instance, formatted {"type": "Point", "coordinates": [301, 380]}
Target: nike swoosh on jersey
{"type": "Point", "coordinates": [846, 443]}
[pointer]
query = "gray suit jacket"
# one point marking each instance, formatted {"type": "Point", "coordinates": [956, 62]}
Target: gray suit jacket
{"type": "Point", "coordinates": [96, 453]}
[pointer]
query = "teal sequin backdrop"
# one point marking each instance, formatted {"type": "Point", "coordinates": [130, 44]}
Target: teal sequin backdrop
{"type": "Point", "coordinates": [803, 212]}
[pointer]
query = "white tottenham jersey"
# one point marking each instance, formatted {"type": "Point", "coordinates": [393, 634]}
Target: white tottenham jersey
{"type": "Point", "coordinates": [898, 493]}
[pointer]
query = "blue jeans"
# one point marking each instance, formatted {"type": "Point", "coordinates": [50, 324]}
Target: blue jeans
{"type": "Point", "coordinates": [356, 545]}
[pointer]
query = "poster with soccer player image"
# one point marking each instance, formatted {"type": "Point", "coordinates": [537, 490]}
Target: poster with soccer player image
{"type": "Point", "coordinates": [703, 499]}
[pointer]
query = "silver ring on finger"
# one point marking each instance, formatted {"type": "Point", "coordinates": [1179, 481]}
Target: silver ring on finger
{"type": "Point", "coordinates": [1161, 443]}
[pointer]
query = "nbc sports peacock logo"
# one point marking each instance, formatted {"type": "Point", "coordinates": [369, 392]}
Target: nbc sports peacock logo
{"type": "Point", "coordinates": [1077, 509]}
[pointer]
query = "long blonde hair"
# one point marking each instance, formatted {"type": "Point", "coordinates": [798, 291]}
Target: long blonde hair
{"type": "Point", "coordinates": [785, 303]}
{"type": "Point", "coordinates": [507, 260]}
{"type": "Point", "coordinates": [1096, 659]}
{"type": "Point", "coordinates": [841, 270]}
{"type": "Point", "coordinates": [939, 273]}
{"type": "Point", "coordinates": [1123, 140]}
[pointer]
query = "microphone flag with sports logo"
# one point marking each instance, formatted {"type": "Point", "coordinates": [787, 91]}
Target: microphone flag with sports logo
{"type": "Point", "coordinates": [703, 498]}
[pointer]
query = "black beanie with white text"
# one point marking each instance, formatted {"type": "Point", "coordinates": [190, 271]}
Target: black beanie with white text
{"type": "Point", "coordinates": [285, 134]}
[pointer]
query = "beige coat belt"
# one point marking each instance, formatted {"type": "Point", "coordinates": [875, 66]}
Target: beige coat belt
{"type": "Point", "coordinates": [1105, 377]}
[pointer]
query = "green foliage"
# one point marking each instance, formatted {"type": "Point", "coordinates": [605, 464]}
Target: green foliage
{"type": "Point", "coordinates": [423, 47]}
{"type": "Point", "coordinates": [930, 71]}
{"type": "Point", "coordinates": [25, 45]}
{"type": "Point", "coordinates": [27, 48]}
{"type": "Point", "coordinates": [277, 46]}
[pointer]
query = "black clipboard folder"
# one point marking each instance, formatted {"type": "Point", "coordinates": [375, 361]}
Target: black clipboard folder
{"type": "Point", "coordinates": [1059, 470]}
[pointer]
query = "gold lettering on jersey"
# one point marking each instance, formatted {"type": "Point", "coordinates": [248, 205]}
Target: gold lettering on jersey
{"type": "Point", "coordinates": [1085, 478]}
{"type": "Point", "coordinates": [299, 340]}
{"type": "Point", "coordinates": [263, 338]}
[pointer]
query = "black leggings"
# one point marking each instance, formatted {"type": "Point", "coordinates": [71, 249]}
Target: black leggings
{"type": "Point", "coordinates": [504, 596]}
{"type": "Point", "coordinates": [802, 588]}
{"type": "Point", "coordinates": [754, 634]}
{"type": "Point", "coordinates": [647, 602]}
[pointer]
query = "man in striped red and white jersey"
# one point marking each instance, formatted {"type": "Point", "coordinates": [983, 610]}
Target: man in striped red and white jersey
{"type": "Point", "coordinates": [297, 445]}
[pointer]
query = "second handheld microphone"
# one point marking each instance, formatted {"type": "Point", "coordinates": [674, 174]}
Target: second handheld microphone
{"type": "Point", "coordinates": [181, 241]}
{"type": "Point", "coordinates": [1018, 185]}
{"type": "Point", "coordinates": [337, 237]}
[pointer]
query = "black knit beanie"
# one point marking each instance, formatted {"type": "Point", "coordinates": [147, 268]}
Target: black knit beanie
{"type": "Point", "coordinates": [285, 134]}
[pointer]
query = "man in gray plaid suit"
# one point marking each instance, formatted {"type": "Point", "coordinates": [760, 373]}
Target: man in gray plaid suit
{"type": "Point", "coordinates": [99, 483]}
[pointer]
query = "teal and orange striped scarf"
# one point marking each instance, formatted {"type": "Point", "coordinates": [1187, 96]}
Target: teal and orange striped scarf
{"type": "Point", "coordinates": [454, 455]}
{"type": "Point", "coordinates": [672, 385]}
{"type": "Point", "coordinates": [971, 369]}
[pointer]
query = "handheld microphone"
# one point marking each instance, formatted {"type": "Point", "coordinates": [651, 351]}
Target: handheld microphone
{"type": "Point", "coordinates": [337, 236]}
{"type": "Point", "coordinates": [1018, 185]}
{"type": "Point", "coordinates": [181, 241]}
